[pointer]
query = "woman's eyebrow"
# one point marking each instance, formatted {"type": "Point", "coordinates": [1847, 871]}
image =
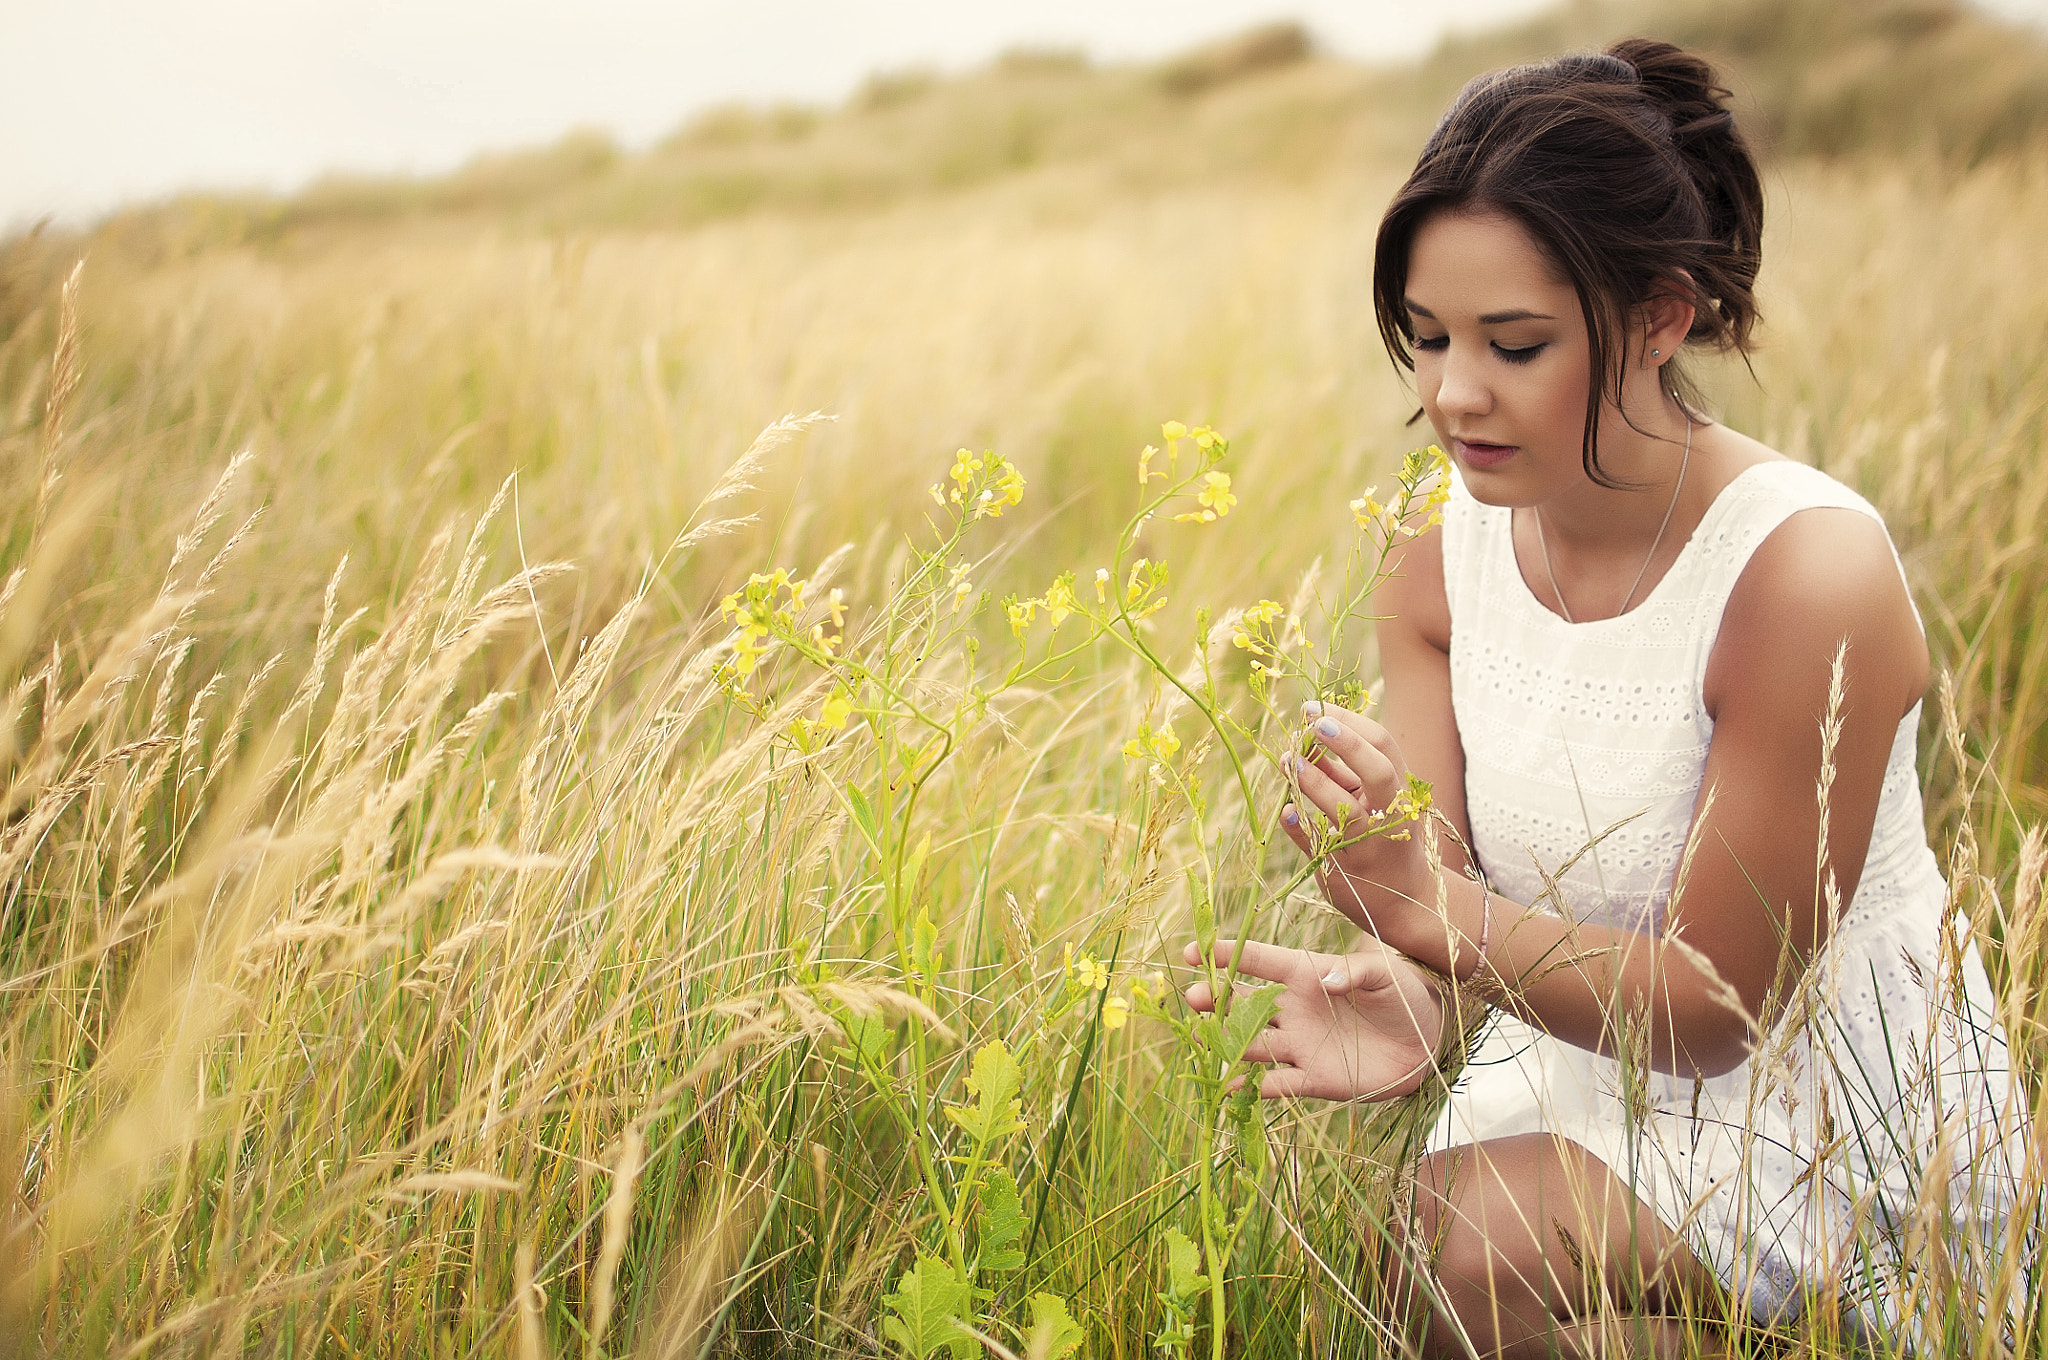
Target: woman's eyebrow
{"type": "Point", "coordinates": [1490, 319]}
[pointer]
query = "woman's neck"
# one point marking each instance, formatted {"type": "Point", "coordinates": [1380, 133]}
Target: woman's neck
{"type": "Point", "coordinates": [1651, 464]}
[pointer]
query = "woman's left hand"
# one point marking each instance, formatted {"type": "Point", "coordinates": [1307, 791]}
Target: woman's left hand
{"type": "Point", "coordinates": [1358, 1026]}
{"type": "Point", "coordinates": [1353, 775]}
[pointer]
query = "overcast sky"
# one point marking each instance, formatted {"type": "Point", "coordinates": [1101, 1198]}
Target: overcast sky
{"type": "Point", "coordinates": [107, 100]}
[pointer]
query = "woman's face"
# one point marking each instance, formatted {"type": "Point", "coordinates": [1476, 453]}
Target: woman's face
{"type": "Point", "coordinates": [1501, 357]}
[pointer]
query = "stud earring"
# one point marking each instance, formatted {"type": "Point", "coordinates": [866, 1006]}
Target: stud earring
{"type": "Point", "coordinates": [1656, 353]}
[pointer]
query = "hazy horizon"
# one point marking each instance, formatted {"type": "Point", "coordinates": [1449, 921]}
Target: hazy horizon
{"type": "Point", "coordinates": [104, 102]}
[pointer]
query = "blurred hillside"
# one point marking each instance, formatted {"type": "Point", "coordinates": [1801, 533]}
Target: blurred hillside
{"type": "Point", "coordinates": [1829, 78]}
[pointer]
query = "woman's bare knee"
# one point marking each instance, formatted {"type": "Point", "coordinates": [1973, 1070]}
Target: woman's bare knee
{"type": "Point", "coordinates": [1458, 1270]}
{"type": "Point", "coordinates": [1510, 1240]}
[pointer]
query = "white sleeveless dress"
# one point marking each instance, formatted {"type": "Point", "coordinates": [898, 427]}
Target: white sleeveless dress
{"type": "Point", "coordinates": [1824, 1137]}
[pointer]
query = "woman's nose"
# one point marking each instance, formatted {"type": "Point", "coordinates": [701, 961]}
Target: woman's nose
{"type": "Point", "coordinates": [1462, 388]}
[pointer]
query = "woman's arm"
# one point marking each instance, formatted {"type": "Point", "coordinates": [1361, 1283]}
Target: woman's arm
{"type": "Point", "coordinates": [1754, 908]}
{"type": "Point", "coordinates": [1414, 636]}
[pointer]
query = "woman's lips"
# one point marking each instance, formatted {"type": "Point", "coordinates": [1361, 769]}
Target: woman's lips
{"type": "Point", "coordinates": [1479, 455]}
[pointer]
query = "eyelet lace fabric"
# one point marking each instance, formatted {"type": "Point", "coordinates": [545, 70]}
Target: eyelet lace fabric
{"type": "Point", "coordinates": [1585, 749]}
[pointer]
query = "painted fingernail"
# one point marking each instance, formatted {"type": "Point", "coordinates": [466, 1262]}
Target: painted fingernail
{"type": "Point", "coordinates": [1312, 707]}
{"type": "Point", "coordinates": [1334, 979]}
{"type": "Point", "coordinates": [1290, 816]}
{"type": "Point", "coordinates": [1327, 727]}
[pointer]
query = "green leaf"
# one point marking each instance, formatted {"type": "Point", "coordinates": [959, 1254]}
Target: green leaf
{"type": "Point", "coordinates": [997, 1110]}
{"type": "Point", "coordinates": [924, 948]}
{"type": "Point", "coordinates": [864, 818]}
{"type": "Point", "coordinates": [1184, 1278]}
{"type": "Point", "coordinates": [1054, 1333]}
{"type": "Point", "coordinates": [867, 1038]}
{"type": "Point", "coordinates": [1249, 1013]}
{"type": "Point", "coordinates": [1002, 1222]}
{"type": "Point", "coordinates": [1244, 1111]}
{"type": "Point", "coordinates": [928, 1303]}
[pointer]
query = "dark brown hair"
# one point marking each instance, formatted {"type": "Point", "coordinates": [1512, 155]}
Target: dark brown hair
{"type": "Point", "coordinates": [1626, 169]}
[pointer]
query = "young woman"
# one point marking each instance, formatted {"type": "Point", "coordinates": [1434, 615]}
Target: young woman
{"type": "Point", "coordinates": [1638, 650]}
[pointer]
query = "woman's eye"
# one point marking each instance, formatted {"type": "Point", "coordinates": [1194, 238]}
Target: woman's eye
{"type": "Point", "coordinates": [1518, 356]}
{"type": "Point", "coordinates": [1432, 342]}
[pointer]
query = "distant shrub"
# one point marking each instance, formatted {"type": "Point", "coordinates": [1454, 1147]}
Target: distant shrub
{"type": "Point", "coordinates": [1254, 52]}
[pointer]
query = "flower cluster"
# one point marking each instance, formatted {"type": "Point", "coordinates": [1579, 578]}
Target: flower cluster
{"type": "Point", "coordinates": [1411, 804]}
{"type": "Point", "coordinates": [1144, 594]}
{"type": "Point", "coordinates": [766, 609]}
{"type": "Point", "coordinates": [1158, 742]}
{"type": "Point", "coordinates": [1144, 588]}
{"type": "Point", "coordinates": [985, 483]}
{"type": "Point", "coordinates": [1425, 484]}
{"type": "Point", "coordinates": [1254, 633]}
{"type": "Point", "coordinates": [1059, 603]}
{"type": "Point", "coordinates": [1211, 444]}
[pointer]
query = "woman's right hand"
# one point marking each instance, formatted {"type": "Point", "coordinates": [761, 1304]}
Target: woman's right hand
{"type": "Point", "coordinates": [1354, 774]}
{"type": "Point", "coordinates": [1359, 1026]}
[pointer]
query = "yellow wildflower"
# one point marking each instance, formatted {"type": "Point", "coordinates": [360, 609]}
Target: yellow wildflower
{"type": "Point", "coordinates": [747, 650]}
{"type": "Point", "coordinates": [1102, 585]}
{"type": "Point", "coordinates": [835, 605]}
{"type": "Point", "coordinates": [1173, 429]}
{"type": "Point", "coordinates": [1368, 512]}
{"type": "Point", "coordinates": [1165, 742]}
{"type": "Point", "coordinates": [965, 465]}
{"type": "Point", "coordinates": [1145, 472]}
{"type": "Point", "coordinates": [1060, 601]}
{"type": "Point", "coordinates": [1090, 973]}
{"type": "Point", "coordinates": [962, 587]}
{"type": "Point", "coordinates": [838, 708]}
{"type": "Point", "coordinates": [1215, 499]}
{"type": "Point", "coordinates": [1007, 490]}
{"type": "Point", "coordinates": [1115, 1013]}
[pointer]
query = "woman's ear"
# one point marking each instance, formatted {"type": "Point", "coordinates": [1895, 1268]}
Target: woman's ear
{"type": "Point", "coordinates": [1666, 319]}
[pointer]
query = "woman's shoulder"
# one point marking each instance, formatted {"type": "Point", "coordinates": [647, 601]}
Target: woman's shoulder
{"type": "Point", "coordinates": [1810, 567]}
{"type": "Point", "coordinates": [1753, 479]}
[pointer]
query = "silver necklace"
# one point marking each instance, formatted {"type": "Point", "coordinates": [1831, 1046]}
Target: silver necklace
{"type": "Point", "coordinates": [1664, 524]}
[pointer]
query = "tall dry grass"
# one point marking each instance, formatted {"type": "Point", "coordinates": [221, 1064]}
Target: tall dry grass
{"type": "Point", "coordinates": [410, 948]}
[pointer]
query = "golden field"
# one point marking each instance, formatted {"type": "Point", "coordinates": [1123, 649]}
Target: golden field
{"type": "Point", "coordinates": [414, 946]}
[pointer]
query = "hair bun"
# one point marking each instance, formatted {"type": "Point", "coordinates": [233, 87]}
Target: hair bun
{"type": "Point", "coordinates": [1681, 85]}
